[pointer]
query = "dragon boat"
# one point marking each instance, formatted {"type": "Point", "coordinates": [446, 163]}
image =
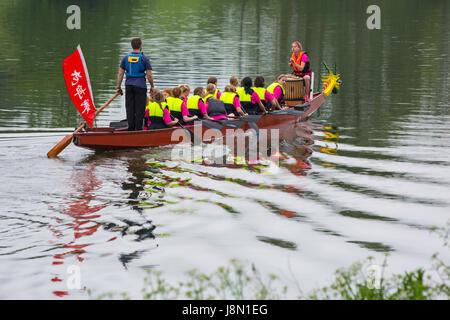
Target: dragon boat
{"type": "Point", "coordinates": [116, 137]}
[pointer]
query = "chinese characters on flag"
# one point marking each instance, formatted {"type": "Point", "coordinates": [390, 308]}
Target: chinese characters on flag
{"type": "Point", "coordinates": [78, 85]}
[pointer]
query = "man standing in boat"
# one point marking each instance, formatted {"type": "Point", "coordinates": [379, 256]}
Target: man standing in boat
{"type": "Point", "coordinates": [136, 66]}
{"type": "Point", "coordinates": [302, 67]}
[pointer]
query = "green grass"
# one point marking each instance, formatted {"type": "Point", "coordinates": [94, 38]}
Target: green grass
{"type": "Point", "coordinates": [240, 280]}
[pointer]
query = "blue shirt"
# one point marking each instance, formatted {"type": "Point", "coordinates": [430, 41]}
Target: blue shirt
{"type": "Point", "coordinates": [137, 82]}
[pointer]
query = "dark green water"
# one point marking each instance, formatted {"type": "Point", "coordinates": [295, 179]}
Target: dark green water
{"type": "Point", "coordinates": [377, 178]}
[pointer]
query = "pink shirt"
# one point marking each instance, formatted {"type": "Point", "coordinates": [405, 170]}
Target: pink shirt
{"type": "Point", "coordinates": [269, 97]}
{"type": "Point", "coordinates": [255, 97]}
{"type": "Point", "coordinates": [277, 92]}
{"type": "Point", "coordinates": [220, 117]}
{"type": "Point", "coordinates": [236, 102]}
{"type": "Point", "coordinates": [184, 109]}
{"type": "Point", "coordinates": [305, 59]}
{"type": "Point", "coordinates": [201, 107]}
{"type": "Point", "coordinates": [166, 115]}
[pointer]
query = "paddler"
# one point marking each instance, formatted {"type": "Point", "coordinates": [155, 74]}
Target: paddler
{"type": "Point", "coordinates": [136, 66]}
{"type": "Point", "coordinates": [267, 99]}
{"type": "Point", "coordinates": [213, 80]}
{"type": "Point", "coordinates": [216, 108]}
{"type": "Point", "coordinates": [249, 97]}
{"type": "Point", "coordinates": [276, 89]}
{"type": "Point", "coordinates": [302, 67]}
{"type": "Point", "coordinates": [210, 91]}
{"type": "Point", "coordinates": [234, 81]}
{"type": "Point", "coordinates": [231, 100]}
{"type": "Point", "coordinates": [167, 93]}
{"type": "Point", "coordinates": [196, 106]}
{"type": "Point", "coordinates": [177, 107]}
{"type": "Point", "coordinates": [185, 90]}
{"type": "Point", "coordinates": [157, 114]}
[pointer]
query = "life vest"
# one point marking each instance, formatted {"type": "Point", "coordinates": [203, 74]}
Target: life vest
{"type": "Point", "coordinates": [208, 95]}
{"type": "Point", "coordinates": [271, 90]}
{"type": "Point", "coordinates": [174, 105]}
{"type": "Point", "coordinates": [192, 106]}
{"type": "Point", "coordinates": [246, 101]}
{"type": "Point", "coordinates": [134, 66]}
{"type": "Point", "coordinates": [262, 95]}
{"type": "Point", "coordinates": [228, 98]}
{"type": "Point", "coordinates": [298, 60]}
{"type": "Point", "coordinates": [156, 115]}
{"type": "Point", "coordinates": [216, 108]}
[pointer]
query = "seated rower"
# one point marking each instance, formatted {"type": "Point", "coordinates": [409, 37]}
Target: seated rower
{"type": "Point", "coordinates": [216, 108]}
{"type": "Point", "coordinates": [217, 92]}
{"type": "Point", "coordinates": [231, 101]}
{"type": "Point", "coordinates": [234, 81]}
{"type": "Point", "coordinates": [302, 67]}
{"type": "Point", "coordinates": [167, 93]}
{"type": "Point", "coordinates": [249, 98]}
{"type": "Point", "coordinates": [210, 91]}
{"type": "Point", "coordinates": [177, 107]}
{"type": "Point", "coordinates": [185, 90]}
{"type": "Point", "coordinates": [196, 106]}
{"type": "Point", "coordinates": [277, 89]}
{"type": "Point", "coordinates": [157, 115]}
{"type": "Point", "coordinates": [266, 97]}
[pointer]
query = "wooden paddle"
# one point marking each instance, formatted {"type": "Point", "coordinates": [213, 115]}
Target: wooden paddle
{"type": "Point", "coordinates": [67, 139]}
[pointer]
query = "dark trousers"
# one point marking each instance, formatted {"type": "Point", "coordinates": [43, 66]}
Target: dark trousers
{"type": "Point", "coordinates": [135, 100]}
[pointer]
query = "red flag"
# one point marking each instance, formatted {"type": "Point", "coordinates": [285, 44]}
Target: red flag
{"type": "Point", "coordinates": [79, 85]}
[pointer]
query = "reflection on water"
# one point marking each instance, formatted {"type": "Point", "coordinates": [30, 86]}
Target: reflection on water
{"type": "Point", "coordinates": [83, 211]}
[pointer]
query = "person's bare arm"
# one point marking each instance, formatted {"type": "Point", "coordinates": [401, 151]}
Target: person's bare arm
{"type": "Point", "coordinates": [240, 111]}
{"type": "Point", "coordinates": [119, 80]}
{"type": "Point", "coordinates": [189, 119]}
{"type": "Point", "coordinates": [275, 104]}
{"type": "Point", "coordinates": [299, 67]}
{"type": "Point", "coordinates": [206, 117]}
{"type": "Point", "coordinates": [173, 122]}
{"type": "Point", "coordinates": [261, 106]}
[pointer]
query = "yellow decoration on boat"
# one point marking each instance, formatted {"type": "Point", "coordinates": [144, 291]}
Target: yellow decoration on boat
{"type": "Point", "coordinates": [330, 82]}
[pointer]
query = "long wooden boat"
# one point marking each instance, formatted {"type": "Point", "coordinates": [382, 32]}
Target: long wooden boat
{"type": "Point", "coordinates": [109, 138]}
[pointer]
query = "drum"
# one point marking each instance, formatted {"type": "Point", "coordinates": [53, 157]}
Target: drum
{"type": "Point", "coordinates": [294, 89]}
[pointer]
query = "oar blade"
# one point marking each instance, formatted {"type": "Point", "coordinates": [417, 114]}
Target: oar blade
{"type": "Point", "coordinates": [67, 139]}
{"type": "Point", "coordinates": [212, 124]}
{"type": "Point", "coordinates": [60, 146]}
{"type": "Point", "coordinates": [251, 118]}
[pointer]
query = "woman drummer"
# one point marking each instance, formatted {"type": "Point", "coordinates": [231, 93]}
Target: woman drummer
{"type": "Point", "coordinates": [302, 67]}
